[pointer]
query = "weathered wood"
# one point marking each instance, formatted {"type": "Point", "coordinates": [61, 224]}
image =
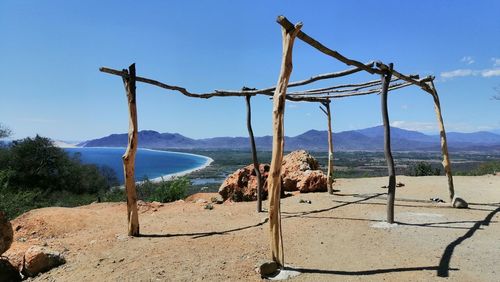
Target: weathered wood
{"type": "Point", "coordinates": [329, 176]}
{"type": "Point", "coordinates": [228, 93]}
{"type": "Point", "coordinates": [285, 23]}
{"type": "Point", "coordinates": [129, 156]}
{"type": "Point", "coordinates": [444, 144]}
{"type": "Point", "coordinates": [349, 94]}
{"type": "Point", "coordinates": [391, 193]}
{"type": "Point", "coordinates": [274, 183]}
{"type": "Point", "coordinates": [256, 165]}
{"type": "Point", "coordinates": [341, 88]}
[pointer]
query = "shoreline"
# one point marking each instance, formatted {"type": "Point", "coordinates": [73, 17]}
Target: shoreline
{"type": "Point", "coordinates": [169, 176]}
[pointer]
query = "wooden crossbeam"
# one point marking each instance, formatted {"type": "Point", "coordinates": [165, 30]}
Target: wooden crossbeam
{"type": "Point", "coordinates": [285, 23]}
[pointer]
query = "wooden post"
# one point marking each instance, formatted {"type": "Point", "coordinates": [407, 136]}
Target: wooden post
{"type": "Point", "coordinates": [391, 193]}
{"type": "Point", "coordinates": [444, 144]}
{"type": "Point", "coordinates": [274, 183]}
{"type": "Point", "coordinates": [254, 155]}
{"type": "Point", "coordinates": [329, 177]}
{"type": "Point", "coordinates": [129, 156]}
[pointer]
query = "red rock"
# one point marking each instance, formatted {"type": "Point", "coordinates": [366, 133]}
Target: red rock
{"type": "Point", "coordinates": [242, 184]}
{"type": "Point", "coordinates": [40, 259]}
{"type": "Point", "coordinates": [301, 172]}
{"type": "Point", "coordinates": [312, 181]}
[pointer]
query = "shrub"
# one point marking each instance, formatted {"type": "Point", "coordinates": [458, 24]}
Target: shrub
{"type": "Point", "coordinates": [423, 169]}
{"type": "Point", "coordinates": [164, 191]}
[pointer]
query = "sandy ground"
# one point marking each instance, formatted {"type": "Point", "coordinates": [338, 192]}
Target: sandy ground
{"type": "Point", "coordinates": [335, 238]}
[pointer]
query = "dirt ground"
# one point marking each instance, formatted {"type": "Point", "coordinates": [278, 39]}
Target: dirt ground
{"type": "Point", "coordinates": [334, 238]}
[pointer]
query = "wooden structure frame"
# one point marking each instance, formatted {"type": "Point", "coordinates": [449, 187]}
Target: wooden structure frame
{"type": "Point", "coordinates": [390, 79]}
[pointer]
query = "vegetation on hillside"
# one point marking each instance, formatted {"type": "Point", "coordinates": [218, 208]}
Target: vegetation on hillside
{"type": "Point", "coordinates": [34, 174]}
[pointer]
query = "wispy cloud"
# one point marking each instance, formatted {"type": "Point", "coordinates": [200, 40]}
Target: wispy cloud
{"type": "Point", "coordinates": [457, 73]}
{"type": "Point", "coordinates": [490, 72]}
{"type": "Point", "coordinates": [469, 72]}
{"type": "Point", "coordinates": [468, 60]}
{"type": "Point", "coordinates": [432, 127]}
{"type": "Point", "coordinates": [415, 125]}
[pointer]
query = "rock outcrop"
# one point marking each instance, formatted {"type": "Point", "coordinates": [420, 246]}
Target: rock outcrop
{"type": "Point", "coordinates": [242, 184]}
{"type": "Point", "coordinates": [40, 259]}
{"type": "Point", "coordinates": [6, 233]}
{"type": "Point", "coordinates": [299, 172]}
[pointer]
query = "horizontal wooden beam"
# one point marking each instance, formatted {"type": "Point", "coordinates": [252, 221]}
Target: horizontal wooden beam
{"type": "Point", "coordinates": [302, 82]}
{"type": "Point", "coordinates": [285, 23]}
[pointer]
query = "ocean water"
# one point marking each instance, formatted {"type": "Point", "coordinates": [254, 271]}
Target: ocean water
{"type": "Point", "coordinates": [148, 163]}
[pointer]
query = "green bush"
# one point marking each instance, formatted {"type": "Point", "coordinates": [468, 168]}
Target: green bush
{"type": "Point", "coordinates": [164, 191]}
{"type": "Point", "coordinates": [422, 169]}
{"type": "Point", "coordinates": [36, 162]}
{"type": "Point", "coordinates": [34, 174]}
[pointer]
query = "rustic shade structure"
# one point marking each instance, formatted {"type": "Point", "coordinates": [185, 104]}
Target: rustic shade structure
{"type": "Point", "coordinates": [390, 80]}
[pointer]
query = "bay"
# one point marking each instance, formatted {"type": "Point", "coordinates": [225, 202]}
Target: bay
{"type": "Point", "coordinates": [151, 164]}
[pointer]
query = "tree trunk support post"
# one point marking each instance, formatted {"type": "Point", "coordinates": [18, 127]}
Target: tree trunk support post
{"type": "Point", "coordinates": [274, 183]}
{"type": "Point", "coordinates": [444, 144]}
{"type": "Point", "coordinates": [329, 177]}
{"type": "Point", "coordinates": [391, 193]}
{"type": "Point", "coordinates": [254, 154]}
{"type": "Point", "coordinates": [129, 156]}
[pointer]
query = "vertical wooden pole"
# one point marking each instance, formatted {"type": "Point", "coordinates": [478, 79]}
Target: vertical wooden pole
{"type": "Point", "coordinates": [254, 155]}
{"type": "Point", "coordinates": [330, 148]}
{"type": "Point", "coordinates": [329, 177]}
{"type": "Point", "coordinates": [444, 144]}
{"type": "Point", "coordinates": [391, 193]}
{"type": "Point", "coordinates": [274, 184]}
{"type": "Point", "coordinates": [129, 156]}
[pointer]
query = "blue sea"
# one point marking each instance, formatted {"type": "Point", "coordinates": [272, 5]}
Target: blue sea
{"type": "Point", "coordinates": [148, 163]}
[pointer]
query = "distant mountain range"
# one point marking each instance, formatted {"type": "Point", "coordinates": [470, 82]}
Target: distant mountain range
{"type": "Point", "coordinates": [368, 139]}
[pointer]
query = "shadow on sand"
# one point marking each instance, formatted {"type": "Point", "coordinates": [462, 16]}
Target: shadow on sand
{"type": "Point", "coordinates": [442, 269]}
{"type": "Point", "coordinates": [444, 263]}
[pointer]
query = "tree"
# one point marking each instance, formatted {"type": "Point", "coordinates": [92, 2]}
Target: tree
{"type": "Point", "coordinates": [4, 131]}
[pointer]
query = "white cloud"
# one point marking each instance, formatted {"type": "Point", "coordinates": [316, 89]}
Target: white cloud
{"type": "Point", "coordinates": [496, 62]}
{"type": "Point", "coordinates": [469, 72]}
{"type": "Point", "coordinates": [457, 73]}
{"type": "Point", "coordinates": [432, 127]}
{"type": "Point", "coordinates": [404, 107]}
{"type": "Point", "coordinates": [415, 125]}
{"type": "Point", "coordinates": [490, 72]}
{"type": "Point", "coordinates": [468, 60]}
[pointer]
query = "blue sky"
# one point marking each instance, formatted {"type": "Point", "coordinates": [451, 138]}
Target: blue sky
{"type": "Point", "coordinates": [50, 52]}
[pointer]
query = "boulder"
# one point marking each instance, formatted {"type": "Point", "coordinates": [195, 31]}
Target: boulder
{"type": "Point", "coordinates": [40, 259]}
{"type": "Point", "coordinates": [242, 184]}
{"type": "Point", "coordinates": [459, 203]}
{"type": "Point", "coordinates": [8, 273]}
{"type": "Point", "coordinates": [298, 161]}
{"type": "Point", "coordinates": [312, 181]}
{"type": "Point", "coordinates": [301, 172]}
{"type": "Point", "coordinates": [6, 233]}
